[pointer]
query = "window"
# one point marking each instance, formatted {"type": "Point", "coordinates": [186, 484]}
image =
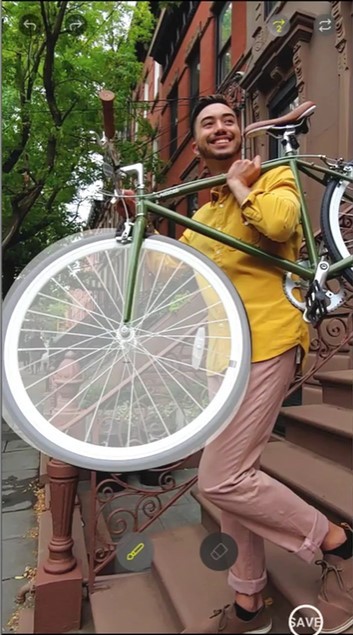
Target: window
{"type": "Point", "coordinates": [194, 67]}
{"type": "Point", "coordinates": [173, 105]}
{"type": "Point", "coordinates": [224, 30]}
{"type": "Point", "coordinates": [156, 76]}
{"type": "Point", "coordinates": [145, 98]}
{"type": "Point", "coordinates": [268, 6]}
{"type": "Point", "coordinates": [285, 101]}
{"type": "Point", "coordinates": [192, 204]}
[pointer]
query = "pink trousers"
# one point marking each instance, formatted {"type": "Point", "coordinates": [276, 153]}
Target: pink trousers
{"type": "Point", "coordinates": [254, 505]}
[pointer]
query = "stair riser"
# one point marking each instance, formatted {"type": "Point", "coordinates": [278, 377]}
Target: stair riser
{"type": "Point", "coordinates": [338, 395]}
{"type": "Point", "coordinates": [330, 446]}
{"type": "Point", "coordinates": [167, 599]}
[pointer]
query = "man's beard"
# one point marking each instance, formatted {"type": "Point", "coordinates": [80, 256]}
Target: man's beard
{"type": "Point", "coordinates": [224, 156]}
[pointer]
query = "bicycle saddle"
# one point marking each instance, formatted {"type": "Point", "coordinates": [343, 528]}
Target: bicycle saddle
{"type": "Point", "coordinates": [296, 118]}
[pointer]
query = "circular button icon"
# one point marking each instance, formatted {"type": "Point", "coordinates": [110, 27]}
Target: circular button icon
{"type": "Point", "coordinates": [75, 24]}
{"type": "Point", "coordinates": [218, 551]}
{"type": "Point", "coordinates": [279, 25]}
{"type": "Point", "coordinates": [324, 24]}
{"type": "Point", "coordinates": [29, 24]}
{"type": "Point", "coordinates": [135, 552]}
{"type": "Point", "coordinates": [309, 619]}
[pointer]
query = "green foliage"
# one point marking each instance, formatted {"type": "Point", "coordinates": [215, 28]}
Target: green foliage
{"type": "Point", "coordinates": [51, 112]}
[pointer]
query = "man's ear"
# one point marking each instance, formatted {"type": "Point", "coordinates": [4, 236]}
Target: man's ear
{"type": "Point", "coordinates": [195, 148]}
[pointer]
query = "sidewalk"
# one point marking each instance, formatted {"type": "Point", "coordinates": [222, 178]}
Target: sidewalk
{"type": "Point", "coordinates": [19, 467]}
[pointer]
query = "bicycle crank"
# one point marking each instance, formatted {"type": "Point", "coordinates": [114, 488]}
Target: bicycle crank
{"type": "Point", "coordinates": [292, 282]}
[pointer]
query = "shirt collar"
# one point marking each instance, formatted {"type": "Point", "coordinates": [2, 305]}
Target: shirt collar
{"type": "Point", "coordinates": [219, 193]}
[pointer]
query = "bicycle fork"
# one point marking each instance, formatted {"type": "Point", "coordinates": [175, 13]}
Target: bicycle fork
{"type": "Point", "coordinates": [139, 229]}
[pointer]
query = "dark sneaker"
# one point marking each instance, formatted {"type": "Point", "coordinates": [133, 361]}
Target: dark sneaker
{"type": "Point", "coordinates": [335, 599]}
{"type": "Point", "coordinates": [226, 621]}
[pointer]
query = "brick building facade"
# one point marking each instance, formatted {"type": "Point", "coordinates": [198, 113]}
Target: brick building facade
{"type": "Point", "coordinates": [230, 47]}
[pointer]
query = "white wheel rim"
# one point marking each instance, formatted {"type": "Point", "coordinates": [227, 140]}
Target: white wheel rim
{"type": "Point", "coordinates": [334, 218]}
{"type": "Point", "coordinates": [155, 452]}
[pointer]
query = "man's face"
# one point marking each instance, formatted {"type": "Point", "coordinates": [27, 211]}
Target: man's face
{"type": "Point", "coordinates": [216, 134]}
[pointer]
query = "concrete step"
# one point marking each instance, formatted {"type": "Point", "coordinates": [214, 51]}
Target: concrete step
{"type": "Point", "coordinates": [295, 582]}
{"type": "Point", "coordinates": [193, 589]}
{"type": "Point", "coordinates": [319, 481]}
{"type": "Point", "coordinates": [325, 429]}
{"type": "Point", "coordinates": [131, 603]}
{"type": "Point", "coordinates": [337, 387]}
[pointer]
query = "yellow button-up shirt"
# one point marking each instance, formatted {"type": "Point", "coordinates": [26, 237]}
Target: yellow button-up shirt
{"type": "Point", "coordinates": [269, 219]}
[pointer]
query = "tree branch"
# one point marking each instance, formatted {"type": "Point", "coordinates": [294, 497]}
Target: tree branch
{"type": "Point", "coordinates": [21, 205]}
{"type": "Point", "coordinates": [25, 98]}
{"type": "Point", "coordinates": [48, 75]}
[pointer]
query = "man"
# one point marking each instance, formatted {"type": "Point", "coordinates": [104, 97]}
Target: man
{"type": "Point", "coordinates": [263, 210]}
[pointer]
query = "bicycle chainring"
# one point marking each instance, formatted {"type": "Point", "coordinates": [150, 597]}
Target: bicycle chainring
{"type": "Point", "coordinates": [292, 282]}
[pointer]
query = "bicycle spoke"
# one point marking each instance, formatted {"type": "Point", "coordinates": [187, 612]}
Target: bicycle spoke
{"type": "Point", "coordinates": [88, 432]}
{"type": "Point", "coordinates": [54, 391]}
{"type": "Point", "coordinates": [129, 392]}
{"type": "Point", "coordinates": [159, 361]}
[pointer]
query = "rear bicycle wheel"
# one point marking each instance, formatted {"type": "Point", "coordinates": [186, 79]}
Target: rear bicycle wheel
{"type": "Point", "coordinates": [337, 222]}
{"type": "Point", "coordinates": [117, 397]}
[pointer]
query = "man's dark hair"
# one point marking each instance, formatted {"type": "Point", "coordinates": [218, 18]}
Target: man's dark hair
{"type": "Point", "coordinates": [207, 100]}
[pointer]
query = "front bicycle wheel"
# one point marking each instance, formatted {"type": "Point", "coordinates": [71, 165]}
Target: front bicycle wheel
{"type": "Point", "coordinates": [113, 396]}
{"type": "Point", "coordinates": [337, 222]}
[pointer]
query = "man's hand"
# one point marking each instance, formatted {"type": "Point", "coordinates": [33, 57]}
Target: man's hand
{"type": "Point", "coordinates": [241, 175]}
{"type": "Point", "coordinates": [245, 171]}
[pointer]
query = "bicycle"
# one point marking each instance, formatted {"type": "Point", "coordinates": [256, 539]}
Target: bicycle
{"type": "Point", "coordinates": [132, 318]}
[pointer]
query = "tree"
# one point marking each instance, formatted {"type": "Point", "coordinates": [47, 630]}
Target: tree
{"type": "Point", "coordinates": [56, 58]}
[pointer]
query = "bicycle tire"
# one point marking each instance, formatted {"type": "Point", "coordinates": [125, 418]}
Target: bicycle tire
{"type": "Point", "coordinates": [47, 280]}
{"type": "Point", "coordinates": [331, 219]}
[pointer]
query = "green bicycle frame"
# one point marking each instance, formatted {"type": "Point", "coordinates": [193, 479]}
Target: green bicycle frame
{"type": "Point", "coordinates": [298, 163]}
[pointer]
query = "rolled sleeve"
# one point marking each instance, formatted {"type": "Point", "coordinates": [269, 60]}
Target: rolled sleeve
{"type": "Point", "coordinates": [274, 211]}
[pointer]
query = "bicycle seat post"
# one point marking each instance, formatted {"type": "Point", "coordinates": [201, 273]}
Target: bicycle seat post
{"type": "Point", "coordinates": [289, 142]}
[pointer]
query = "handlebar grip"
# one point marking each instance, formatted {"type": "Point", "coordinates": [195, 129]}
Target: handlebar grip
{"type": "Point", "coordinates": [107, 97]}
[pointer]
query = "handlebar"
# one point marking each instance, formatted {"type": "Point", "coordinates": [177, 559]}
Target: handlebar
{"type": "Point", "coordinates": [107, 97]}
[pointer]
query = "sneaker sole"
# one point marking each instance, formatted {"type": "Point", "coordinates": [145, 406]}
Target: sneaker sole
{"type": "Point", "coordinates": [339, 629]}
{"type": "Point", "coordinates": [260, 631]}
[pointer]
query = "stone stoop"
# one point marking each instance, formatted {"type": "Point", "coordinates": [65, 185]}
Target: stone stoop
{"type": "Point", "coordinates": [292, 581]}
{"type": "Point", "coordinates": [340, 362]}
{"type": "Point", "coordinates": [319, 481]}
{"type": "Point", "coordinates": [179, 590]}
{"type": "Point", "coordinates": [337, 387]}
{"type": "Point", "coordinates": [325, 428]}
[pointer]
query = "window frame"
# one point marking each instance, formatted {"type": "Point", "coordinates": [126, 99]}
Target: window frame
{"type": "Point", "coordinates": [269, 6]}
{"type": "Point", "coordinates": [173, 100]}
{"type": "Point", "coordinates": [277, 106]}
{"type": "Point", "coordinates": [194, 69]}
{"type": "Point", "coordinates": [226, 47]}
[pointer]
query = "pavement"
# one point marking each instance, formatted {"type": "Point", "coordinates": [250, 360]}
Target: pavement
{"type": "Point", "coordinates": [19, 471]}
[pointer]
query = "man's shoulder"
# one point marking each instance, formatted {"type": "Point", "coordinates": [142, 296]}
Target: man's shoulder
{"type": "Point", "coordinates": [279, 174]}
